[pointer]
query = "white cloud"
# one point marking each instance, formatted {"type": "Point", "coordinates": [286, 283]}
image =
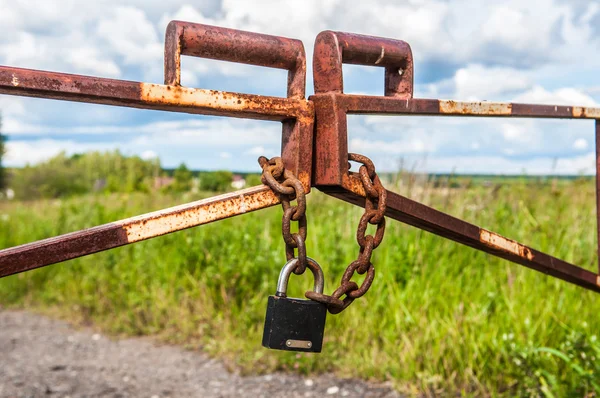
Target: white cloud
{"type": "Point", "coordinates": [484, 164]}
{"type": "Point", "coordinates": [514, 33]}
{"type": "Point", "coordinates": [211, 133]}
{"type": "Point", "coordinates": [215, 143]}
{"type": "Point", "coordinates": [386, 140]}
{"type": "Point", "coordinates": [520, 132]}
{"type": "Point", "coordinates": [504, 165]}
{"type": "Point", "coordinates": [89, 61]}
{"type": "Point", "coordinates": [19, 153]}
{"type": "Point", "coordinates": [11, 106]}
{"type": "Point", "coordinates": [561, 96]}
{"type": "Point", "coordinates": [580, 144]}
{"type": "Point", "coordinates": [508, 51]}
{"type": "Point", "coordinates": [256, 150]}
{"type": "Point", "coordinates": [212, 130]}
{"type": "Point", "coordinates": [187, 13]}
{"type": "Point", "coordinates": [410, 145]}
{"type": "Point", "coordinates": [128, 33]}
{"type": "Point", "coordinates": [476, 82]}
{"type": "Point", "coordinates": [149, 154]}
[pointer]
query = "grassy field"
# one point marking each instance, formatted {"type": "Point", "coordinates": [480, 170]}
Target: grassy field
{"type": "Point", "coordinates": [440, 319]}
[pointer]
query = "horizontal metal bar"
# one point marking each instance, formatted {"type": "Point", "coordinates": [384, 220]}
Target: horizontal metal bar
{"type": "Point", "coordinates": [365, 104]}
{"type": "Point", "coordinates": [65, 247]}
{"type": "Point", "coordinates": [62, 86]}
{"type": "Point", "coordinates": [416, 214]}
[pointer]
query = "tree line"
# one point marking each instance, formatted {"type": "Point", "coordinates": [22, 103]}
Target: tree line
{"type": "Point", "coordinates": [108, 172]}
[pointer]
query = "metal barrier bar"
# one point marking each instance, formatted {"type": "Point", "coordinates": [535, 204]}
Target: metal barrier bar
{"type": "Point", "coordinates": [325, 168]}
{"type": "Point", "coordinates": [62, 86]}
{"type": "Point", "coordinates": [331, 174]}
{"type": "Point", "coordinates": [424, 217]}
{"type": "Point", "coordinates": [135, 229]}
{"type": "Point", "coordinates": [295, 113]}
{"type": "Point", "coordinates": [364, 104]}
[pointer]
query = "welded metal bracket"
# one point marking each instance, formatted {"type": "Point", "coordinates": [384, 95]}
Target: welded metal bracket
{"type": "Point", "coordinates": [326, 112]}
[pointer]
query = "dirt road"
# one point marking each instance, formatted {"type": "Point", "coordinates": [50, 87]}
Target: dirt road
{"type": "Point", "coordinates": [41, 357]}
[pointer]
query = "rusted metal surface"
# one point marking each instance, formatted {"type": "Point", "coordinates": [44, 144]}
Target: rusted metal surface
{"type": "Point", "coordinates": [184, 38]}
{"type": "Point", "coordinates": [331, 174]}
{"type": "Point", "coordinates": [331, 50]}
{"type": "Point", "coordinates": [332, 106]}
{"type": "Point", "coordinates": [295, 113]}
{"type": "Point", "coordinates": [332, 109]}
{"type": "Point", "coordinates": [334, 48]}
{"type": "Point", "coordinates": [375, 207]}
{"type": "Point", "coordinates": [418, 215]}
{"type": "Point", "coordinates": [288, 187]}
{"type": "Point", "coordinates": [65, 247]}
{"type": "Point", "coordinates": [364, 104]}
{"type": "Point", "coordinates": [62, 86]}
{"type": "Point", "coordinates": [326, 167]}
{"type": "Point", "coordinates": [331, 141]}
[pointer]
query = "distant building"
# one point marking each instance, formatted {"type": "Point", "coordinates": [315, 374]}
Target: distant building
{"type": "Point", "coordinates": [99, 184]}
{"type": "Point", "coordinates": [238, 182]}
{"type": "Point", "coordinates": [10, 194]}
{"type": "Point", "coordinates": [161, 182]}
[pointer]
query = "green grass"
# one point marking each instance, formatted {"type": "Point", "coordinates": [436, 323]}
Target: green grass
{"type": "Point", "coordinates": [440, 318]}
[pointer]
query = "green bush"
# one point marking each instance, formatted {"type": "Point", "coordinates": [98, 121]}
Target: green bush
{"type": "Point", "coordinates": [65, 175]}
{"type": "Point", "coordinates": [216, 181]}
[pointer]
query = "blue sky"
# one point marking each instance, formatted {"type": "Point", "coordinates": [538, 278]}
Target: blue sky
{"type": "Point", "coordinates": [538, 51]}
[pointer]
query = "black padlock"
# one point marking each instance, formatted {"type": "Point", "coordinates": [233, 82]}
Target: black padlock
{"type": "Point", "coordinates": [293, 324]}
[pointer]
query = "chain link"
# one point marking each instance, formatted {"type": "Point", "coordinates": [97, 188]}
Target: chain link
{"type": "Point", "coordinates": [375, 206]}
{"type": "Point", "coordinates": [288, 187]}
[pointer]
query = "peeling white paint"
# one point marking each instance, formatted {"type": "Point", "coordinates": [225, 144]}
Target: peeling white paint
{"type": "Point", "coordinates": [380, 56]}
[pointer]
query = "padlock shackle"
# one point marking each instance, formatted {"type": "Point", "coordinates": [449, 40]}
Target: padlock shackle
{"type": "Point", "coordinates": [290, 266]}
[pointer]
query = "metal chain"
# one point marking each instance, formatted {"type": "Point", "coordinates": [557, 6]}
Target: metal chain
{"type": "Point", "coordinates": [288, 187]}
{"type": "Point", "coordinates": [375, 206]}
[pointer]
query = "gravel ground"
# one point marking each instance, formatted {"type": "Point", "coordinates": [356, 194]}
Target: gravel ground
{"type": "Point", "coordinates": [42, 357]}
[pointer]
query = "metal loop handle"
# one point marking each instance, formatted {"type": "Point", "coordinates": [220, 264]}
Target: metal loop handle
{"type": "Point", "coordinates": [290, 266]}
{"type": "Point", "coordinates": [235, 46]}
{"type": "Point", "coordinates": [334, 48]}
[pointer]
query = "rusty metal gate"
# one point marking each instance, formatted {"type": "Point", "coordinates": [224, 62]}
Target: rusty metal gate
{"type": "Point", "coordinates": [314, 138]}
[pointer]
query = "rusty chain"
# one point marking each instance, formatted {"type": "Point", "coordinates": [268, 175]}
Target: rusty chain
{"type": "Point", "coordinates": [284, 183]}
{"type": "Point", "coordinates": [375, 206]}
{"type": "Point", "coordinates": [288, 187]}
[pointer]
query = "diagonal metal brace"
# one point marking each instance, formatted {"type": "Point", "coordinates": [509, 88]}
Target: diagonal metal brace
{"type": "Point", "coordinates": [135, 229]}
